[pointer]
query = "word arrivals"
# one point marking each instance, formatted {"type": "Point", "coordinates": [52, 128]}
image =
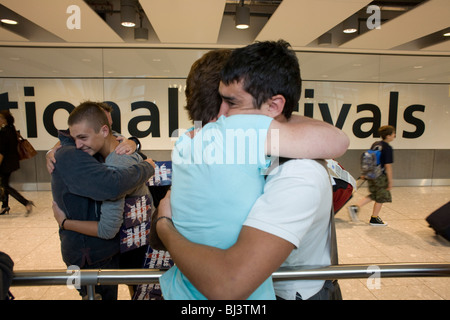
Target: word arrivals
{"type": "Point", "coordinates": [374, 121]}
{"type": "Point", "coordinates": [371, 115]}
{"type": "Point", "coordinates": [135, 229]}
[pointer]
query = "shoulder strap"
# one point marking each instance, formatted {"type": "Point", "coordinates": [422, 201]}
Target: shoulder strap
{"type": "Point", "coordinates": [333, 243]}
{"type": "Point", "coordinates": [333, 249]}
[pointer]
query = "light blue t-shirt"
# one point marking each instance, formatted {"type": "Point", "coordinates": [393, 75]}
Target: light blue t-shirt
{"type": "Point", "coordinates": [217, 177]}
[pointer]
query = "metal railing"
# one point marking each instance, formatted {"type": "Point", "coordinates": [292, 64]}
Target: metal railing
{"type": "Point", "coordinates": [90, 278]}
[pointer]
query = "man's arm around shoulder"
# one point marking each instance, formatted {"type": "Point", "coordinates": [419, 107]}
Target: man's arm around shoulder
{"type": "Point", "coordinates": [234, 273]}
{"type": "Point", "coordinates": [87, 177]}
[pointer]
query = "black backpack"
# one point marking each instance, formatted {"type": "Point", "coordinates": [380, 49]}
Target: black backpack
{"type": "Point", "coordinates": [6, 276]}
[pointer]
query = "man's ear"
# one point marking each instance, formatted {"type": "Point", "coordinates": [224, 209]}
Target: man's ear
{"type": "Point", "coordinates": [276, 105]}
{"type": "Point", "coordinates": [104, 130]}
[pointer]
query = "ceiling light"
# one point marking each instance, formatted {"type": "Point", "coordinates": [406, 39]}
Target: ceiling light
{"type": "Point", "coordinates": [447, 34]}
{"type": "Point", "coordinates": [128, 13]}
{"type": "Point", "coordinates": [242, 16]}
{"type": "Point", "coordinates": [351, 25]}
{"type": "Point", "coordinates": [141, 34]}
{"type": "Point", "coordinates": [8, 21]}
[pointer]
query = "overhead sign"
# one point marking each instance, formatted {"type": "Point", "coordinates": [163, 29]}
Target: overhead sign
{"type": "Point", "coordinates": [153, 109]}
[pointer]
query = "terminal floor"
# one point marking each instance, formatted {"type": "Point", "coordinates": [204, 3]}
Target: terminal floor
{"type": "Point", "coordinates": [33, 244]}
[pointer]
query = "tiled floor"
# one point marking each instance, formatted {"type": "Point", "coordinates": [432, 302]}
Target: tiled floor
{"type": "Point", "coordinates": [33, 244]}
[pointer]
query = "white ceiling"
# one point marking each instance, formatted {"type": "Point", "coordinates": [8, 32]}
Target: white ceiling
{"type": "Point", "coordinates": [210, 23]}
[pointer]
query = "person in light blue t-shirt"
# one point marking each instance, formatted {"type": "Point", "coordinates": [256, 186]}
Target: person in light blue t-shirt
{"type": "Point", "coordinates": [218, 169]}
{"type": "Point", "coordinates": [208, 179]}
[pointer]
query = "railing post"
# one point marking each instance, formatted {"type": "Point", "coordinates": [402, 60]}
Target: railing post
{"type": "Point", "coordinates": [91, 292]}
{"type": "Point", "coordinates": [90, 279]}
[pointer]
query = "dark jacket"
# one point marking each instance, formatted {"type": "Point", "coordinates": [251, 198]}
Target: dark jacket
{"type": "Point", "coordinates": [79, 184]}
{"type": "Point", "coordinates": [8, 148]}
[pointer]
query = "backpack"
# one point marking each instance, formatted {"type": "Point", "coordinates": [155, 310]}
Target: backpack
{"type": "Point", "coordinates": [370, 163]}
{"type": "Point", "coordinates": [344, 184]}
{"type": "Point", "coordinates": [6, 276]}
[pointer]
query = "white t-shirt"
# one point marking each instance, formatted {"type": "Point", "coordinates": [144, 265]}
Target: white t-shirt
{"type": "Point", "coordinates": [296, 206]}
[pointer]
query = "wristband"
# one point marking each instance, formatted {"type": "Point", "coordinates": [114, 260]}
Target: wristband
{"type": "Point", "coordinates": [136, 140]}
{"type": "Point", "coordinates": [163, 217]}
{"type": "Point", "coordinates": [62, 224]}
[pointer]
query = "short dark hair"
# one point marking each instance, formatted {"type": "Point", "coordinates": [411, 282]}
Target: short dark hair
{"type": "Point", "coordinates": [93, 112]}
{"type": "Point", "coordinates": [385, 131]}
{"type": "Point", "coordinates": [202, 86]}
{"type": "Point", "coordinates": [266, 68]}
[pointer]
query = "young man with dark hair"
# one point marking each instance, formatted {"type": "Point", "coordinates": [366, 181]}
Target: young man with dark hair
{"type": "Point", "coordinates": [380, 187]}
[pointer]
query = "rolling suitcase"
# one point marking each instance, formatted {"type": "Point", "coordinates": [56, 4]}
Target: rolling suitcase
{"type": "Point", "coordinates": [439, 220]}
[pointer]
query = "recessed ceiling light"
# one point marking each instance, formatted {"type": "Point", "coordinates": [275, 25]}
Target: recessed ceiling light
{"type": "Point", "coordinates": [8, 21]}
{"type": "Point", "coordinates": [350, 30]}
{"type": "Point", "coordinates": [447, 34]}
{"type": "Point", "coordinates": [418, 67]}
{"type": "Point", "coordinates": [350, 25]}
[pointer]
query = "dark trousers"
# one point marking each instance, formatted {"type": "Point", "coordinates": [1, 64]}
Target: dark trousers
{"type": "Point", "coordinates": [105, 292]}
{"type": "Point", "coordinates": [8, 190]}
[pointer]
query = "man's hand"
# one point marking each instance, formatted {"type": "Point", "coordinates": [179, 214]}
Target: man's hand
{"type": "Point", "coordinates": [58, 213]}
{"type": "Point", "coordinates": [126, 146]}
{"type": "Point", "coordinates": [151, 162]}
{"type": "Point", "coordinates": [50, 158]}
{"type": "Point", "coordinates": [164, 210]}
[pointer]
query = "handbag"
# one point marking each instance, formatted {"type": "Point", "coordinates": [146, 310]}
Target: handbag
{"type": "Point", "coordinates": [24, 148]}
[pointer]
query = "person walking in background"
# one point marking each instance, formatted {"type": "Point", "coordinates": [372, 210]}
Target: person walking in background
{"type": "Point", "coordinates": [9, 162]}
{"type": "Point", "coordinates": [380, 187]}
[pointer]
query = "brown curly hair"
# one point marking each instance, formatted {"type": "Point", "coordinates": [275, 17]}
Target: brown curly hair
{"type": "Point", "coordinates": [202, 86]}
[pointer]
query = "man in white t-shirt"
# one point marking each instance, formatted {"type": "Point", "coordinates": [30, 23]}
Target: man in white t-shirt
{"type": "Point", "coordinates": [290, 223]}
{"type": "Point", "coordinates": [296, 207]}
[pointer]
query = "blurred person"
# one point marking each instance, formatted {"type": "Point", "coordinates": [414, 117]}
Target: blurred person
{"type": "Point", "coordinates": [379, 188]}
{"type": "Point", "coordinates": [9, 162]}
